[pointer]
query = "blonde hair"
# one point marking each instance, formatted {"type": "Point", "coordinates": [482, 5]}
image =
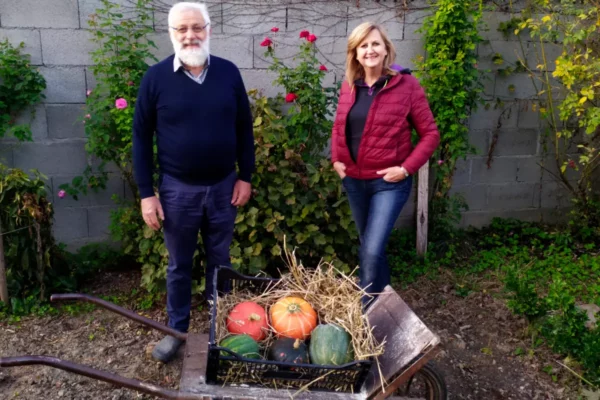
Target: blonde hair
{"type": "Point", "coordinates": [353, 68]}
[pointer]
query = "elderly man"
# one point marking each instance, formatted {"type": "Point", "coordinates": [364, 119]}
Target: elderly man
{"type": "Point", "coordinates": [198, 107]}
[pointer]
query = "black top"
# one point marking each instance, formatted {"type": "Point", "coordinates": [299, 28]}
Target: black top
{"type": "Point", "coordinates": [357, 117]}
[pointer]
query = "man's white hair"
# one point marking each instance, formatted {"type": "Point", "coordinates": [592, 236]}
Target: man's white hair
{"type": "Point", "coordinates": [186, 5]}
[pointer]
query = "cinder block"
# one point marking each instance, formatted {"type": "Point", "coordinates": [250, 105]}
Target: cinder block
{"type": "Point", "coordinates": [331, 51]}
{"type": "Point", "coordinates": [261, 80]}
{"type": "Point", "coordinates": [114, 185]}
{"type": "Point", "coordinates": [66, 120]}
{"type": "Point", "coordinates": [555, 195]}
{"type": "Point", "coordinates": [410, 32]}
{"type": "Point", "coordinates": [70, 224]}
{"type": "Point", "coordinates": [462, 173]}
{"type": "Point", "coordinates": [407, 51]}
{"type": "Point", "coordinates": [321, 19]}
{"type": "Point", "coordinates": [474, 195]}
{"type": "Point", "coordinates": [87, 8]}
{"type": "Point", "coordinates": [161, 14]}
{"type": "Point", "coordinates": [492, 21]}
{"type": "Point", "coordinates": [490, 116]}
{"type": "Point", "coordinates": [165, 47]}
{"type": "Point", "coordinates": [480, 139]}
{"type": "Point", "coordinates": [286, 47]}
{"type": "Point", "coordinates": [6, 156]}
{"type": "Point", "coordinates": [67, 47]}
{"type": "Point", "coordinates": [480, 219]}
{"type": "Point", "coordinates": [99, 221]}
{"type": "Point", "coordinates": [253, 17]}
{"type": "Point", "coordinates": [37, 121]}
{"type": "Point", "coordinates": [511, 196]}
{"type": "Point", "coordinates": [39, 14]}
{"type": "Point", "coordinates": [51, 158]}
{"type": "Point", "coordinates": [529, 115]}
{"type": "Point", "coordinates": [529, 170]}
{"type": "Point", "coordinates": [64, 84]}
{"type": "Point", "coordinates": [508, 51]}
{"type": "Point", "coordinates": [387, 15]}
{"type": "Point", "coordinates": [514, 142]}
{"type": "Point", "coordinates": [516, 86]}
{"type": "Point", "coordinates": [237, 49]}
{"type": "Point", "coordinates": [417, 16]}
{"type": "Point", "coordinates": [489, 85]}
{"type": "Point", "coordinates": [503, 169]}
{"type": "Point", "coordinates": [31, 39]}
{"type": "Point", "coordinates": [90, 79]}
{"type": "Point", "coordinates": [552, 170]}
{"type": "Point", "coordinates": [535, 60]}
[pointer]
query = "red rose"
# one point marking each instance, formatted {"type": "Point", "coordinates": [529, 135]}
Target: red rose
{"type": "Point", "coordinates": [304, 34]}
{"type": "Point", "coordinates": [323, 68]}
{"type": "Point", "coordinates": [311, 38]}
{"type": "Point", "coordinates": [571, 164]}
{"type": "Point", "coordinates": [266, 43]}
{"type": "Point", "coordinates": [290, 97]}
{"type": "Point", "coordinates": [274, 29]}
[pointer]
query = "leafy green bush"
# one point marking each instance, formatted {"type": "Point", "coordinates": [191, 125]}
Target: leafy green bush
{"type": "Point", "coordinates": [21, 87]}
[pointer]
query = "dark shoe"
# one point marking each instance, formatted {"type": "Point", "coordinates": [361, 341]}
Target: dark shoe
{"type": "Point", "coordinates": [166, 349]}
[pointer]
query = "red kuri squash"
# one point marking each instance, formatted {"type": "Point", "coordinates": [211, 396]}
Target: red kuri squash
{"type": "Point", "coordinates": [248, 318]}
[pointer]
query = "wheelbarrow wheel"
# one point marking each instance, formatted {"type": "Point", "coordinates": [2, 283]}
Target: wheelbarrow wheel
{"type": "Point", "coordinates": [427, 383]}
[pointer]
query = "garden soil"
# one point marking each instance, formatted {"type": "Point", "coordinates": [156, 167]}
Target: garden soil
{"type": "Point", "coordinates": [485, 356]}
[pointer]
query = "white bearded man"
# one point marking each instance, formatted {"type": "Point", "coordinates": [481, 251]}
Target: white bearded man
{"type": "Point", "coordinates": [196, 105]}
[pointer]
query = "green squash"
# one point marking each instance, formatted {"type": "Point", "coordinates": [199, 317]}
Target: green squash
{"type": "Point", "coordinates": [289, 350]}
{"type": "Point", "coordinates": [330, 345]}
{"type": "Point", "coordinates": [243, 345]}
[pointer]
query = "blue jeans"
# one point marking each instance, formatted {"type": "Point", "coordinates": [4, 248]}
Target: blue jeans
{"type": "Point", "coordinates": [189, 209]}
{"type": "Point", "coordinates": [375, 205]}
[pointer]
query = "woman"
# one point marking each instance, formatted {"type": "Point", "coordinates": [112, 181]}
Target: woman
{"type": "Point", "coordinates": [371, 146]}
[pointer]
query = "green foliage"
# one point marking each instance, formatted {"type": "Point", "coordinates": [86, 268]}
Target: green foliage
{"type": "Point", "coordinates": [21, 87]}
{"type": "Point", "coordinates": [120, 61]}
{"type": "Point", "coordinates": [453, 88]}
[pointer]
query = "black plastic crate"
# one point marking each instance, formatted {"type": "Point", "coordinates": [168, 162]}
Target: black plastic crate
{"type": "Point", "coordinates": [272, 374]}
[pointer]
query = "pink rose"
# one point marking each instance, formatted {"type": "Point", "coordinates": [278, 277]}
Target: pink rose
{"type": "Point", "coordinates": [130, 83]}
{"type": "Point", "coordinates": [440, 162]}
{"type": "Point", "coordinates": [62, 194]}
{"type": "Point", "coordinates": [89, 91]}
{"type": "Point", "coordinates": [274, 29]}
{"type": "Point", "coordinates": [304, 34]}
{"type": "Point", "coordinates": [322, 68]}
{"type": "Point", "coordinates": [311, 38]}
{"type": "Point", "coordinates": [266, 43]}
{"type": "Point", "coordinates": [121, 103]}
{"type": "Point", "coordinates": [88, 116]}
{"type": "Point", "coordinates": [290, 97]}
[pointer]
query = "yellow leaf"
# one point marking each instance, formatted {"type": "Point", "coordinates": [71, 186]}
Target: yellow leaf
{"type": "Point", "coordinates": [582, 100]}
{"type": "Point", "coordinates": [546, 18]}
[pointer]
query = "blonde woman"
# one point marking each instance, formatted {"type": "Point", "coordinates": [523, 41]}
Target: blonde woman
{"type": "Point", "coordinates": [371, 148]}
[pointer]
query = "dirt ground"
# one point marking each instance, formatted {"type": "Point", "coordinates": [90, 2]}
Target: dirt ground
{"type": "Point", "coordinates": [481, 339]}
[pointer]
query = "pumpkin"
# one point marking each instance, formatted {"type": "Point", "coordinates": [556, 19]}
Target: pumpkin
{"type": "Point", "coordinates": [293, 317]}
{"type": "Point", "coordinates": [330, 345]}
{"type": "Point", "coordinates": [289, 350]}
{"type": "Point", "coordinates": [243, 345]}
{"type": "Point", "coordinates": [248, 318]}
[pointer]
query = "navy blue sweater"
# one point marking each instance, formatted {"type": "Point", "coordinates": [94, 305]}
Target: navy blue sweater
{"type": "Point", "coordinates": [202, 130]}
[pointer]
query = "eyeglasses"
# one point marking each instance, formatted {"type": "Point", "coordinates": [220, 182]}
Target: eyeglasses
{"type": "Point", "coordinates": [195, 28]}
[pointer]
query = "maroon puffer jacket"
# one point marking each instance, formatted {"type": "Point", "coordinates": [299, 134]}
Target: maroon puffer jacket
{"type": "Point", "coordinates": [385, 142]}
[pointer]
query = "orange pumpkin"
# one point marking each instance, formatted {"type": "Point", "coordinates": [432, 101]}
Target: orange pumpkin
{"type": "Point", "coordinates": [293, 317]}
{"type": "Point", "coordinates": [248, 318]}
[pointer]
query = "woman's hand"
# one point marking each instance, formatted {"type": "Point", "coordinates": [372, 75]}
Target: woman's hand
{"type": "Point", "coordinates": [340, 168]}
{"type": "Point", "coordinates": [393, 174]}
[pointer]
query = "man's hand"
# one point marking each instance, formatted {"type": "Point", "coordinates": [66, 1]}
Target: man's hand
{"type": "Point", "coordinates": [393, 174]}
{"type": "Point", "coordinates": [241, 193]}
{"type": "Point", "coordinates": [150, 208]}
{"type": "Point", "coordinates": [340, 168]}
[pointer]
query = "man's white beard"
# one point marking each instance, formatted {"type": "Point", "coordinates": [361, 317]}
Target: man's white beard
{"type": "Point", "coordinates": [192, 57]}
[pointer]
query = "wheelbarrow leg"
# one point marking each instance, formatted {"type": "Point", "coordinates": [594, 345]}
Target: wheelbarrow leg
{"type": "Point", "coordinates": [104, 376]}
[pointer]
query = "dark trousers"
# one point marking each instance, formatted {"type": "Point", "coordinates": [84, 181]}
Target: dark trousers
{"type": "Point", "coordinates": [375, 205]}
{"type": "Point", "coordinates": [189, 209]}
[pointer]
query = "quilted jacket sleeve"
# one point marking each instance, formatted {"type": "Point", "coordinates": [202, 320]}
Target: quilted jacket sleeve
{"type": "Point", "coordinates": [336, 122]}
{"type": "Point", "coordinates": [422, 120]}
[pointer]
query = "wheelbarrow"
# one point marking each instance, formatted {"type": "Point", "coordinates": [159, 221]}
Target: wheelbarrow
{"type": "Point", "coordinates": [403, 368]}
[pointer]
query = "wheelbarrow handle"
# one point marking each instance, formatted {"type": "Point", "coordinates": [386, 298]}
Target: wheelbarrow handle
{"type": "Point", "coordinates": [120, 310]}
{"type": "Point", "coordinates": [84, 370]}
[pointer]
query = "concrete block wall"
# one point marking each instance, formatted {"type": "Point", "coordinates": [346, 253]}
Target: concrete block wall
{"type": "Point", "coordinates": [56, 36]}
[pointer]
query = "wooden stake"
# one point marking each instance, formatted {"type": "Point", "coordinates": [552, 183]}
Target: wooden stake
{"type": "Point", "coordinates": [422, 209]}
{"type": "Point", "coordinates": [3, 281]}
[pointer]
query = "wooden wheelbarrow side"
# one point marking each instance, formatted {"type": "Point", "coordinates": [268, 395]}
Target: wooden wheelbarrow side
{"type": "Point", "coordinates": [408, 346]}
